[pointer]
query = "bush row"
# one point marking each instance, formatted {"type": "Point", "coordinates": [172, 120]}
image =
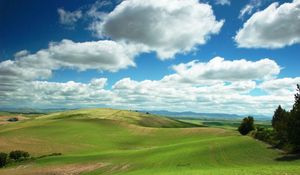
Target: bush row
{"type": "Point", "coordinates": [17, 155]}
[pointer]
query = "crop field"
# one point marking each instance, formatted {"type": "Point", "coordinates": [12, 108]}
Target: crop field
{"type": "Point", "coordinates": [107, 141]}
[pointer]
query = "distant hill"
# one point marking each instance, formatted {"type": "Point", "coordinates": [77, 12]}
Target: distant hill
{"type": "Point", "coordinates": [126, 116]}
{"type": "Point", "coordinates": [33, 111]}
{"type": "Point", "coordinates": [184, 114]}
{"type": "Point", "coordinates": [189, 114]}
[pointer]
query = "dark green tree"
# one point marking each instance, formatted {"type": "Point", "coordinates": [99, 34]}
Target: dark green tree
{"type": "Point", "coordinates": [294, 122]}
{"type": "Point", "coordinates": [247, 125]}
{"type": "Point", "coordinates": [277, 117]}
{"type": "Point", "coordinates": [3, 159]}
{"type": "Point", "coordinates": [18, 155]}
{"type": "Point", "coordinates": [296, 106]}
{"type": "Point", "coordinates": [280, 124]}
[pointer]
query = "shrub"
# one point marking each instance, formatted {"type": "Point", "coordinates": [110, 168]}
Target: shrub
{"type": "Point", "coordinates": [48, 155]}
{"type": "Point", "coordinates": [3, 159]}
{"type": "Point", "coordinates": [14, 119]}
{"type": "Point", "coordinates": [246, 126]}
{"type": "Point", "coordinates": [56, 154]}
{"type": "Point", "coordinates": [18, 155]}
{"type": "Point", "coordinates": [266, 135]}
{"type": "Point", "coordinates": [25, 155]}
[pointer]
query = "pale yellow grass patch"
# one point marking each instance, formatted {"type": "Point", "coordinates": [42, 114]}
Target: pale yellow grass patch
{"type": "Point", "coordinates": [3, 119]}
{"type": "Point", "coordinates": [70, 169]}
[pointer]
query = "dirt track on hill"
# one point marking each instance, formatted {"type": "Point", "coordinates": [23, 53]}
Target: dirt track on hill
{"type": "Point", "coordinates": [3, 119]}
{"type": "Point", "coordinates": [71, 169]}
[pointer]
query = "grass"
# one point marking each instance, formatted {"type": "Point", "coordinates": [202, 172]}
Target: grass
{"type": "Point", "coordinates": [127, 142]}
{"type": "Point", "coordinates": [232, 124]}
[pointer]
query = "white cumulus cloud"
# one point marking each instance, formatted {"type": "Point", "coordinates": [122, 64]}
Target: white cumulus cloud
{"type": "Point", "coordinates": [166, 27]}
{"type": "Point", "coordinates": [218, 85]}
{"type": "Point", "coordinates": [103, 55]}
{"type": "Point", "coordinates": [281, 85]}
{"type": "Point", "coordinates": [220, 69]}
{"type": "Point", "coordinates": [276, 26]}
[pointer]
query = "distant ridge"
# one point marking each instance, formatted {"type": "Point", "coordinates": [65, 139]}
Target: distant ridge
{"type": "Point", "coordinates": [184, 114]}
{"type": "Point", "coordinates": [34, 111]}
{"type": "Point", "coordinates": [189, 114]}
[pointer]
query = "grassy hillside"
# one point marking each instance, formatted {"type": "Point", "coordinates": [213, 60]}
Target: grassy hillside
{"type": "Point", "coordinates": [122, 116]}
{"type": "Point", "coordinates": [106, 141]}
{"type": "Point", "coordinates": [223, 123]}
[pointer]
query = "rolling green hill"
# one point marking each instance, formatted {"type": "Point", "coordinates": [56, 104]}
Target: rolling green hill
{"type": "Point", "coordinates": [107, 141]}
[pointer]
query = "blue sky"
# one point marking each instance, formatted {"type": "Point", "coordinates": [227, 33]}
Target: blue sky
{"type": "Point", "coordinates": [261, 64]}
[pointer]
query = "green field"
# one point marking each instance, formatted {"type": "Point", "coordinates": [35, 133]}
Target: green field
{"type": "Point", "coordinates": [106, 141]}
{"type": "Point", "coordinates": [232, 124]}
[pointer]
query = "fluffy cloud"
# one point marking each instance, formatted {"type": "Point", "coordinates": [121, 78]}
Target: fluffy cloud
{"type": "Point", "coordinates": [101, 55]}
{"type": "Point", "coordinates": [12, 75]}
{"type": "Point", "coordinates": [21, 53]}
{"type": "Point", "coordinates": [281, 86]}
{"type": "Point", "coordinates": [68, 18]}
{"type": "Point", "coordinates": [220, 69]}
{"type": "Point", "coordinates": [276, 26]}
{"type": "Point", "coordinates": [170, 93]}
{"type": "Point", "coordinates": [223, 2]}
{"type": "Point", "coordinates": [98, 83]}
{"type": "Point", "coordinates": [53, 94]}
{"type": "Point", "coordinates": [166, 27]}
{"type": "Point", "coordinates": [226, 92]}
{"type": "Point", "coordinates": [148, 95]}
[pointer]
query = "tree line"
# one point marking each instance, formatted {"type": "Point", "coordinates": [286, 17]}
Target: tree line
{"type": "Point", "coordinates": [286, 125]}
{"type": "Point", "coordinates": [17, 155]}
{"type": "Point", "coordinates": [285, 131]}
